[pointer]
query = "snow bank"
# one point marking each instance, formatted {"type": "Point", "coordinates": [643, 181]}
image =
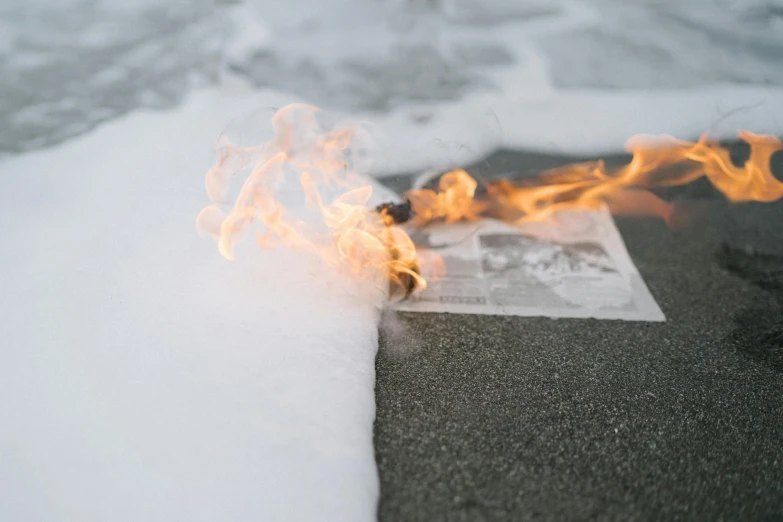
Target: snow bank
{"type": "Point", "coordinates": [143, 376]}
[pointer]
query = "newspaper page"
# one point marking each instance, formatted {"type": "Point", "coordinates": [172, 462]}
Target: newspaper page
{"type": "Point", "coordinates": [574, 264]}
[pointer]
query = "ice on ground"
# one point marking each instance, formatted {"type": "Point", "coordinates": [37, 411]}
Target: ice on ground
{"type": "Point", "coordinates": [145, 377]}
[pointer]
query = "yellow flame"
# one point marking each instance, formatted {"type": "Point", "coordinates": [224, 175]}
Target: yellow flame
{"type": "Point", "coordinates": [367, 244]}
{"type": "Point", "coordinates": [346, 234]}
{"type": "Point", "coordinates": [626, 190]}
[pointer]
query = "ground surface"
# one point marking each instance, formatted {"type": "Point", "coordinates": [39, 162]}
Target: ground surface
{"type": "Point", "coordinates": [510, 418]}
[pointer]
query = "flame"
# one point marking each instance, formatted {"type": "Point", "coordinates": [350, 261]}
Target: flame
{"type": "Point", "coordinates": [454, 202]}
{"type": "Point", "coordinates": [345, 233]}
{"type": "Point", "coordinates": [626, 190]}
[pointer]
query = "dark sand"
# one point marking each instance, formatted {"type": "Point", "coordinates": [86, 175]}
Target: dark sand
{"type": "Point", "coordinates": [510, 418]}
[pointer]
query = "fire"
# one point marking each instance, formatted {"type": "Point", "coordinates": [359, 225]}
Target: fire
{"type": "Point", "coordinates": [453, 202]}
{"type": "Point", "coordinates": [304, 160]}
{"type": "Point", "coordinates": [318, 164]}
{"type": "Point", "coordinates": [626, 190]}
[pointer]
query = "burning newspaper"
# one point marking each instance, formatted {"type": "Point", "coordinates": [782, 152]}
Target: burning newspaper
{"type": "Point", "coordinates": [573, 264]}
{"type": "Point", "coordinates": [536, 246]}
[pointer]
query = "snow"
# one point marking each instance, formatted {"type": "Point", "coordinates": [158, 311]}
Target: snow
{"type": "Point", "coordinates": [145, 377]}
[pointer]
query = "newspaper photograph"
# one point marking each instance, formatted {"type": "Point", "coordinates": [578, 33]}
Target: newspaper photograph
{"type": "Point", "coordinates": [574, 264]}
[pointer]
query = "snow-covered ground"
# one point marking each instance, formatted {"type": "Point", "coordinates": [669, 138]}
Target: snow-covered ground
{"type": "Point", "coordinates": [144, 377]}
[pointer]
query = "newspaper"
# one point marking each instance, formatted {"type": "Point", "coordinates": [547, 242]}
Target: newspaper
{"type": "Point", "coordinates": [573, 264]}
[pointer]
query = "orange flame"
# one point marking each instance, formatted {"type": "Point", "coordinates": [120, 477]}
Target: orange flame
{"type": "Point", "coordinates": [625, 190]}
{"type": "Point", "coordinates": [454, 202]}
{"type": "Point", "coordinates": [345, 232]}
